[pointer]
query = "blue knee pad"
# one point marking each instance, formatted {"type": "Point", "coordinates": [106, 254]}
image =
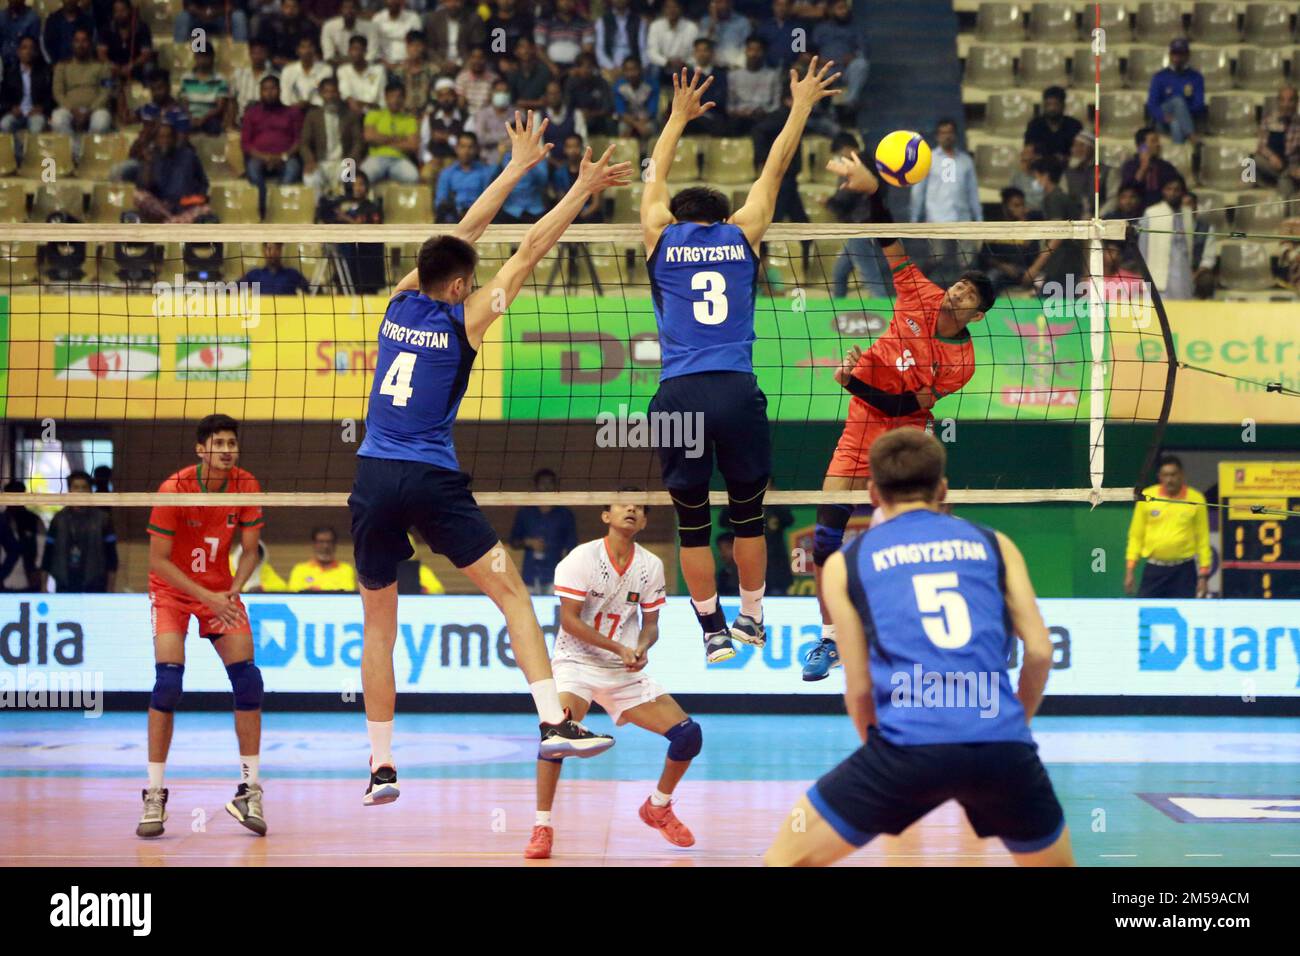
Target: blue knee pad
{"type": "Point", "coordinates": [828, 535]}
{"type": "Point", "coordinates": [246, 681]}
{"type": "Point", "coordinates": [685, 741]}
{"type": "Point", "coordinates": [167, 682]}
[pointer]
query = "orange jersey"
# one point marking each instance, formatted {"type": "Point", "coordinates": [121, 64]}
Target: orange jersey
{"type": "Point", "coordinates": [201, 536]}
{"type": "Point", "coordinates": [911, 354]}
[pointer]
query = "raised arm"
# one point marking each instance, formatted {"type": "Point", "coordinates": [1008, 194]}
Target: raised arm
{"type": "Point", "coordinates": [688, 104]}
{"type": "Point", "coordinates": [487, 304]}
{"type": "Point", "coordinates": [859, 178]}
{"type": "Point", "coordinates": [527, 149]}
{"type": "Point", "coordinates": [756, 215]}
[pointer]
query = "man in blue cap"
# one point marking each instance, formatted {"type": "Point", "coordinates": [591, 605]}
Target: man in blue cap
{"type": "Point", "coordinates": [1176, 98]}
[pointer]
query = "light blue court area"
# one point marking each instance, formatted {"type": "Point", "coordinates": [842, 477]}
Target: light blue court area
{"type": "Point", "coordinates": [1168, 791]}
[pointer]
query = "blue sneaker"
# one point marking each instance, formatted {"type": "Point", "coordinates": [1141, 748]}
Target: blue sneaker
{"type": "Point", "coordinates": [821, 659]}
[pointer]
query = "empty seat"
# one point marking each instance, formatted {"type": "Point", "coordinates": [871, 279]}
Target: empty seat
{"type": "Point", "coordinates": [221, 156]}
{"type": "Point", "coordinates": [109, 200]}
{"type": "Point", "coordinates": [990, 67]}
{"type": "Point", "coordinates": [100, 152]}
{"type": "Point", "coordinates": [1008, 113]}
{"type": "Point", "coordinates": [1145, 62]}
{"type": "Point", "coordinates": [1215, 23]}
{"type": "Point", "coordinates": [39, 148]}
{"type": "Point", "coordinates": [627, 149]}
{"type": "Point", "coordinates": [1212, 212]}
{"type": "Point", "coordinates": [1083, 70]}
{"type": "Point", "coordinates": [175, 58]}
{"type": "Point", "coordinates": [234, 201]}
{"type": "Point", "coordinates": [1268, 24]}
{"type": "Point", "coordinates": [1114, 153]}
{"type": "Point", "coordinates": [1158, 23]}
{"type": "Point", "coordinates": [8, 160]}
{"type": "Point", "coordinates": [1260, 69]}
{"type": "Point", "coordinates": [229, 56]}
{"type": "Point", "coordinates": [1232, 116]}
{"type": "Point", "coordinates": [1042, 66]}
{"type": "Point", "coordinates": [1114, 20]}
{"type": "Point", "coordinates": [1123, 113]}
{"type": "Point", "coordinates": [814, 196]}
{"type": "Point", "coordinates": [1000, 22]}
{"type": "Point", "coordinates": [18, 264]}
{"type": "Point", "coordinates": [1261, 212]}
{"type": "Point", "coordinates": [406, 203]}
{"type": "Point", "coordinates": [995, 163]}
{"type": "Point", "coordinates": [729, 160]}
{"type": "Point", "coordinates": [627, 202]}
{"type": "Point", "coordinates": [1214, 65]}
{"type": "Point", "coordinates": [13, 200]}
{"type": "Point", "coordinates": [290, 204]}
{"type": "Point", "coordinates": [1052, 23]}
{"type": "Point", "coordinates": [1245, 266]}
{"type": "Point", "coordinates": [58, 197]}
{"type": "Point", "coordinates": [686, 160]}
{"type": "Point", "coordinates": [1178, 155]}
{"type": "Point", "coordinates": [815, 153]}
{"type": "Point", "coordinates": [1221, 166]}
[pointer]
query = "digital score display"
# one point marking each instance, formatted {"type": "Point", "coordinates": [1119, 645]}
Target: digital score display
{"type": "Point", "coordinates": [1259, 542]}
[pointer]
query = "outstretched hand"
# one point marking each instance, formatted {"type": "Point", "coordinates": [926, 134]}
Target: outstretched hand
{"type": "Point", "coordinates": [857, 176]}
{"type": "Point", "coordinates": [527, 147]}
{"type": "Point", "coordinates": [600, 175]}
{"type": "Point", "coordinates": [688, 95]}
{"type": "Point", "coordinates": [815, 84]}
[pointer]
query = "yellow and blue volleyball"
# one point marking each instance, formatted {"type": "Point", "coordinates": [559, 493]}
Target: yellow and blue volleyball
{"type": "Point", "coordinates": [903, 158]}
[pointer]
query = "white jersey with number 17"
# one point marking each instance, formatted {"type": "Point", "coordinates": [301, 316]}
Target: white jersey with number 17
{"type": "Point", "coordinates": [613, 598]}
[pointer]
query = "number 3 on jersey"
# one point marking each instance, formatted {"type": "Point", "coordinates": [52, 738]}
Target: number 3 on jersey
{"type": "Point", "coordinates": [397, 382]}
{"type": "Point", "coordinates": [713, 310]}
{"type": "Point", "coordinates": [944, 612]}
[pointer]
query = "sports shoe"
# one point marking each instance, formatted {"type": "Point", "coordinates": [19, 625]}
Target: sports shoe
{"type": "Point", "coordinates": [569, 738]}
{"type": "Point", "coordinates": [748, 630]}
{"type": "Point", "coordinates": [155, 813]}
{"type": "Point", "coordinates": [383, 787]}
{"type": "Point", "coordinates": [665, 821]}
{"type": "Point", "coordinates": [539, 846]}
{"type": "Point", "coordinates": [823, 656]}
{"type": "Point", "coordinates": [246, 807]}
{"type": "Point", "coordinates": [718, 647]}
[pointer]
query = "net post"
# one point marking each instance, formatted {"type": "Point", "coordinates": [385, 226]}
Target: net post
{"type": "Point", "coordinates": [1097, 344]}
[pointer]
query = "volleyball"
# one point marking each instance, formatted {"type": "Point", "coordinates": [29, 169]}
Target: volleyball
{"type": "Point", "coordinates": [903, 158]}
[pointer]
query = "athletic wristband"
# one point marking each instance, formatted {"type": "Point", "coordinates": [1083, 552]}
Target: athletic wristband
{"type": "Point", "coordinates": [888, 403]}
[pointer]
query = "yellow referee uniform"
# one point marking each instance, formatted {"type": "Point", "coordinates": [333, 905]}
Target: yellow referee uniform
{"type": "Point", "coordinates": [314, 576]}
{"type": "Point", "coordinates": [1173, 537]}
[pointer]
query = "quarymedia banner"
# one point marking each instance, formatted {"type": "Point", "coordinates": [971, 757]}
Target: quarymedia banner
{"type": "Point", "coordinates": [455, 644]}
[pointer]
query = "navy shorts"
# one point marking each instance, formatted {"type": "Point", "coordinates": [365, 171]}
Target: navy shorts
{"type": "Point", "coordinates": [885, 788]}
{"type": "Point", "coordinates": [727, 419]}
{"type": "Point", "coordinates": [391, 497]}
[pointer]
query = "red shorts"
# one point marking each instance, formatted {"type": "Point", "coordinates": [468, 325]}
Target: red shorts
{"type": "Point", "coordinates": [172, 616]}
{"type": "Point", "coordinates": [850, 459]}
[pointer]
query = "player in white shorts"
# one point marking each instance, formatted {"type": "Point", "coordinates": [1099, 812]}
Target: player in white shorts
{"type": "Point", "coordinates": [610, 591]}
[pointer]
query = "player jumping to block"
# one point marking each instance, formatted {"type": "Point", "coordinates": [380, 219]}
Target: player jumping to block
{"type": "Point", "coordinates": [610, 594]}
{"type": "Point", "coordinates": [928, 601]}
{"type": "Point", "coordinates": [703, 262]}
{"type": "Point", "coordinates": [925, 354]}
{"type": "Point", "coordinates": [190, 575]}
{"type": "Point", "coordinates": [407, 471]}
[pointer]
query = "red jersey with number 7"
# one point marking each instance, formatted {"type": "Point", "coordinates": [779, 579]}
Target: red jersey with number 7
{"type": "Point", "coordinates": [201, 535]}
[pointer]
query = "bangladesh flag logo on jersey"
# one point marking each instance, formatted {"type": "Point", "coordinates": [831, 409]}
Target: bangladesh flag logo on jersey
{"type": "Point", "coordinates": [106, 358]}
{"type": "Point", "coordinates": [213, 358]}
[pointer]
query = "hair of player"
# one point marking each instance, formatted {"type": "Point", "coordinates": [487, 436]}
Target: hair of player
{"type": "Point", "coordinates": [324, 529]}
{"type": "Point", "coordinates": [983, 285]}
{"type": "Point", "coordinates": [443, 258]}
{"type": "Point", "coordinates": [79, 475]}
{"type": "Point", "coordinates": [907, 464]}
{"type": "Point", "coordinates": [1171, 460]}
{"type": "Point", "coordinates": [541, 473]}
{"type": "Point", "coordinates": [212, 424]}
{"type": "Point", "coordinates": [645, 509]}
{"type": "Point", "coordinates": [699, 204]}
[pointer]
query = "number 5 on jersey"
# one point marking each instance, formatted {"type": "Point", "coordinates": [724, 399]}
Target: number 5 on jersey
{"type": "Point", "coordinates": [397, 382]}
{"type": "Point", "coordinates": [944, 612]}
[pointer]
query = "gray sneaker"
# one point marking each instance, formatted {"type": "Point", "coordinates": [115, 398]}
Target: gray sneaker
{"type": "Point", "coordinates": [748, 630]}
{"type": "Point", "coordinates": [718, 647]}
{"type": "Point", "coordinates": [155, 813]}
{"type": "Point", "coordinates": [246, 807]}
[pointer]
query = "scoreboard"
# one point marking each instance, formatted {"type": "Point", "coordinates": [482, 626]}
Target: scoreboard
{"type": "Point", "coordinates": [1260, 549]}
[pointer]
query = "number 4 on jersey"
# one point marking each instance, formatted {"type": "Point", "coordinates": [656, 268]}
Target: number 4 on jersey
{"type": "Point", "coordinates": [397, 382]}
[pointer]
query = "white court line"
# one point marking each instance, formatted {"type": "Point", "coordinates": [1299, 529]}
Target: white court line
{"type": "Point", "coordinates": [1191, 855]}
{"type": "Point", "coordinates": [1118, 856]}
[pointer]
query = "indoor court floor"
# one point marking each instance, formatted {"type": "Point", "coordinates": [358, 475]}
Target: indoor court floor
{"type": "Point", "coordinates": [1148, 791]}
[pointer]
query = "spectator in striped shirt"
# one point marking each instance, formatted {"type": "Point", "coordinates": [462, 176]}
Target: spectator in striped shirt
{"type": "Point", "coordinates": [206, 94]}
{"type": "Point", "coordinates": [562, 37]}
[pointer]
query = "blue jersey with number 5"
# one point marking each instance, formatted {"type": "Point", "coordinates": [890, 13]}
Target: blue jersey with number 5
{"type": "Point", "coordinates": [930, 591]}
{"type": "Point", "coordinates": [420, 378]}
{"type": "Point", "coordinates": [703, 280]}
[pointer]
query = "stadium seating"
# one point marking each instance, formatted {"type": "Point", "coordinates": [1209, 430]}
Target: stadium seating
{"type": "Point", "coordinates": [18, 264]}
{"type": "Point", "coordinates": [990, 67]}
{"type": "Point", "coordinates": [686, 160]}
{"type": "Point", "coordinates": [627, 149]}
{"type": "Point", "coordinates": [1143, 63]}
{"type": "Point", "coordinates": [234, 201]}
{"type": "Point", "coordinates": [1214, 23]}
{"type": "Point", "coordinates": [1158, 23]}
{"type": "Point", "coordinates": [1114, 153]}
{"type": "Point", "coordinates": [1268, 24]}
{"type": "Point", "coordinates": [1122, 113]}
{"type": "Point", "coordinates": [1000, 22]}
{"type": "Point", "coordinates": [109, 200]}
{"type": "Point", "coordinates": [1052, 23]}
{"type": "Point", "coordinates": [160, 15]}
{"type": "Point", "coordinates": [405, 203]}
{"type": "Point", "coordinates": [994, 165]}
{"type": "Point", "coordinates": [627, 202]}
{"type": "Point", "coordinates": [8, 161]}
{"type": "Point", "coordinates": [814, 196]}
{"type": "Point", "coordinates": [1115, 20]}
{"type": "Point", "coordinates": [1178, 155]}
{"type": "Point", "coordinates": [13, 200]}
{"type": "Point", "coordinates": [290, 205]}
{"type": "Point", "coordinates": [1008, 113]}
{"type": "Point", "coordinates": [815, 153]}
{"type": "Point", "coordinates": [100, 152]}
{"type": "Point", "coordinates": [1083, 70]}
{"type": "Point", "coordinates": [44, 146]}
{"type": "Point", "coordinates": [230, 56]}
{"type": "Point", "coordinates": [1245, 266]}
{"type": "Point", "coordinates": [729, 160]}
{"type": "Point", "coordinates": [1213, 64]}
{"type": "Point", "coordinates": [55, 197]}
{"type": "Point", "coordinates": [1042, 66]}
{"type": "Point", "coordinates": [1221, 166]}
{"type": "Point", "coordinates": [1260, 212]}
{"type": "Point", "coordinates": [175, 58]}
{"type": "Point", "coordinates": [1260, 69]}
{"type": "Point", "coordinates": [1232, 116]}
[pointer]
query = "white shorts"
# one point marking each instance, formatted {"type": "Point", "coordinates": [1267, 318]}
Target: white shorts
{"type": "Point", "coordinates": [616, 690]}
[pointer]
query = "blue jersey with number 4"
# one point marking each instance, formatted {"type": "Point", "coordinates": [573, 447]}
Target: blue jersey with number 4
{"type": "Point", "coordinates": [420, 378]}
{"type": "Point", "coordinates": [703, 280]}
{"type": "Point", "coordinates": [930, 591]}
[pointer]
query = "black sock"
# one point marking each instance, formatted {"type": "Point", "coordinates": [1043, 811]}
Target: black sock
{"type": "Point", "coordinates": [712, 622]}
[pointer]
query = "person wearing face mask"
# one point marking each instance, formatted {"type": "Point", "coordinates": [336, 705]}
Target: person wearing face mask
{"type": "Point", "coordinates": [331, 133]}
{"type": "Point", "coordinates": [394, 139]}
{"type": "Point", "coordinates": [489, 123]}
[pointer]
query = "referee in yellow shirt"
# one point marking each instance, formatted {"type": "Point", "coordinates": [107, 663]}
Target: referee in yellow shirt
{"type": "Point", "coordinates": [1173, 536]}
{"type": "Point", "coordinates": [323, 572]}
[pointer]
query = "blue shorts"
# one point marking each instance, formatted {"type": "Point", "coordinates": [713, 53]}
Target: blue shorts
{"type": "Point", "coordinates": [885, 788]}
{"type": "Point", "coordinates": [727, 419]}
{"type": "Point", "coordinates": [391, 497]}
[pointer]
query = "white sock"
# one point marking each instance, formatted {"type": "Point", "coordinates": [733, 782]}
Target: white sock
{"type": "Point", "coordinates": [751, 602]}
{"type": "Point", "coordinates": [543, 818]}
{"type": "Point", "coordinates": [660, 799]}
{"type": "Point", "coordinates": [828, 632]}
{"type": "Point", "coordinates": [248, 768]}
{"type": "Point", "coordinates": [547, 700]}
{"type": "Point", "coordinates": [705, 607]}
{"type": "Point", "coordinates": [156, 774]}
{"type": "Point", "coordinates": [381, 743]}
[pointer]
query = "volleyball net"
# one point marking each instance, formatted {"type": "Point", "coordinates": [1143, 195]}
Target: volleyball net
{"type": "Point", "coordinates": [122, 337]}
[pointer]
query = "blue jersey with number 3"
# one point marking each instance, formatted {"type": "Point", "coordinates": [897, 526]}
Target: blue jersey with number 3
{"type": "Point", "coordinates": [930, 591]}
{"type": "Point", "coordinates": [420, 378]}
{"type": "Point", "coordinates": [703, 280]}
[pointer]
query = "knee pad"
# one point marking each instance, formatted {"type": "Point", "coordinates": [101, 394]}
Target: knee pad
{"type": "Point", "coordinates": [246, 682]}
{"type": "Point", "coordinates": [745, 505]}
{"type": "Point", "coordinates": [685, 740]}
{"type": "Point", "coordinates": [829, 533]}
{"type": "Point", "coordinates": [694, 520]}
{"type": "Point", "coordinates": [167, 683]}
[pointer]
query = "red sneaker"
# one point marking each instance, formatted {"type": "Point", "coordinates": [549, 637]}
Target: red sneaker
{"type": "Point", "coordinates": [539, 847]}
{"type": "Point", "coordinates": [665, 821]}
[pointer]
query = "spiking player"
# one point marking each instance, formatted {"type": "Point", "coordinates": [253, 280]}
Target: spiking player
{"type": "Point", "coordinates": [927, 601]}
{"type": "Point", "coordinates": [407, 472]}
{"type": "Point", "coordinates": [925, 354]}
{"type": "Point", "coordinates": [190, 575]}
{"type": "Point", "coordinates": [703, 265]}
{"type": "Point", "coordinates": [610, 593]}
